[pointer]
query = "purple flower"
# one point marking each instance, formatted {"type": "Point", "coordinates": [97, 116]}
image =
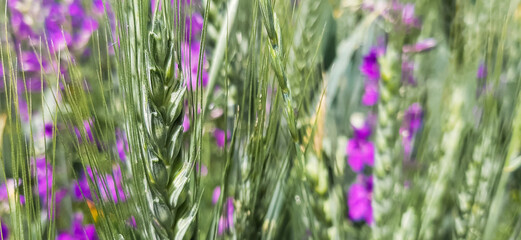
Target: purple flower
{"type": "Point", "coordinates": [110, 186]}
{"type": "Point", "coordinates": [48, 128]}
{"type": "Point", "coordinates": [412, 122]}
{"type": "Point", "coordinates": [216, 194]}
{"type": "Point", "coordinates": [359, 150]}
{"type": "Point", "coordinates": [121, 145]}
{"type": "Point", "coordinates": [359, 200]}
{"type": "Point", "coordinates": [44, 177]}
{"type": "Point", "coordinates": [86, 131]}
{"type": "Point", "coordinates": [78, 231]}
{"type": "Point", "coordinates": [370, 67]}
{"type": "Point", "coordinates": [408, 72]}
{"type": "Point", "coordinates": [58, 38]}
{"type": "Point", "coordinates": [97, 6]}
{"type": "Point", "coordinates": [31, 62]}
{"type": "Point", "coordinates": [219, 136]}
{"type": "Point", "coordinates": [203, 170]}
{"type": "Point", "coordinates": [5, 230]}
{"type": "Point", "coordinates": [408, 17]}
{"type": "Point", "coordinates": [422, 46]}
{"type": "Point", "coordinates": [226, 221]}
{"type": "Point", "coordinates": [371, 70]}
{"type": "Point", "coordinates": [193, 25]}
{"type": "Point", "coordinates": [359, 153]}
{"type": "Point", "coordinates": [9, 187]}
{"type": "Point", "coordinates": [371, 94]}
{"type": "Point", "coordinates": [132, 222]}
{"type": "Point", "coordinates": [482, 71]}
{"type": "Point", "coordinates": [361, 131]}
{"type": "Point", "coordinates": [190, 65]}
{"type": "Point", "coordinates": [186, 123]}
{"type": "Point", "coordinates": [31, 85]}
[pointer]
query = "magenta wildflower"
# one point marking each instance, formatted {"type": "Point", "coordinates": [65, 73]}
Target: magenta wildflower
{"type": "Point", "coordinates": [371, 70]}
{"type": "Point", "coordinates": [408, 72]}
{"type": "Point", "coordinates": [216, 194]}
{"type": "Point", "coordinates": [190, 65]}
{"type": "Point", "coordinates": [371, 94]}
{"type": "Point", "coordinates": [78, 231]}
{"type": "Point", "coordinates": [7, 188]}
{"type": "Point", "coordinates": [5, 230]}
{"type": "Point", "coordinates": [193, 25]}
{"type": "Point", "coordinates": [359, 200]}
{"type": "Point", "coordinates": [370, 67]}
{"type": "Point", "coordinates": [110, 186]}
{"type": "Point", "coordinates": [121, 145]}
{"type": "Point", "coordinates": [226, 221]}
{"type": "Point", "coordinates": [219, 136]}
{"type": "Point", "coordinates": [85, 131]}
{"type": "Point", "coordinates": [482, 71]}
{"type": "Point", "coordinates": [359, 150]}
{"type": "Point", "coordinates": [30, 62]}
{"type": "Point", "coordinates": [186, 123]}
{"type": "Point", "coordinates": [412, 122]}
{"type": "Point", "coordinates": [132, 222]}
{"type": "Point", "coordinates": [360, 153]}
{"type": "Point", "coordinates": [408, 16]}
{"type": "Point", "coordinates": [421, 46]}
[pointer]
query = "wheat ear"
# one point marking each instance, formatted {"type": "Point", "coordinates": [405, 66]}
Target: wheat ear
{"type": "Point", "coordinates": [168, 172]}
{"type": "Point", "coordinates": [272, 27]}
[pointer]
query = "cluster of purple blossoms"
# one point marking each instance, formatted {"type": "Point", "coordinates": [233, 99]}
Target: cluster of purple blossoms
{"type": "Point", "coordinates": [109, 186]}
{"type": "Point", "coordinates": [78, 231]}
{"type": "Point", "coordinates": [226, 220]}
{"type": "Point", "coordinates": [57, 25]}
{"type": "Point", "coordinates": [5, 231]}
{"type": "Point", "coordinates": [412, 122]}
{"type": "Point", "coordinates": [360, 152]}
{"type": "Point", "coordinates": [371, 70]}
{"type": "Point", "coordinates": [359, 200]}
{"type": "Point", "coordinates": [221, 137]}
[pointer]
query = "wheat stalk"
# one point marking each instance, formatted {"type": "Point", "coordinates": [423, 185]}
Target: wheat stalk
{"type": "Point", "coordinates": [441, 173]}
{"type": "Point", "coordinates": [387, 165]}
{"type": "Point", "coordinates": [272, 27]}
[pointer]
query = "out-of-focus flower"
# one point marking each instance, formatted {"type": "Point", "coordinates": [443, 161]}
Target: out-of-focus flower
{"type": "Point", "coordinates": [7, 190]}
{"type": "Point", "coordinates": [371, 70]}
{"type": "Point", "coordinates": [226, 221]}
{"type": "Point", "coordinates": [121, 145]}
{"type": "Point", "coordinates": [85, 131]}
{"type": "Point", "coordinates": [78, 231]}
{"type": "Point", "coordinates": [186, 123]}
{"type": "Point", "coordinates": [30, 62]}
{"type": "Point", "coordinates": [216, 194]}
{"type": "Point", "coordinates": [359, 150]}
{"type": "Point", "coordinates": [370, 67]}
{"type": "Point", "coordinates": [5, 230]}
{"type": "Point", "coordinates": [371, 94]}
{"type": "Point", "coordinates": [359, 153]}
{"type": "Point", "coordinates": [110, 186]}
{"type": "Point", "coordinates": [408, 72]}
{"type": "Point", "coordinates": [482, 71]}
{"type": "Point", "coordinates": [421, 46]}
{"type": "Point", "coordinates": [220, 136]}
{"type": "Point", "coordinates": [408, 16]}
{"type": "Point", "coordinates": [359, 200]}
{"type": "Point", "coordinates": [193, 26]}
{"type": "Point", "coordinates": [412, 122]}
{"type": "Point", "coordinates": [190, 65]}
{"type": "Point", "coordinates": [132, 222]}
{"type": "Point", "coordinates": [202, 169]}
